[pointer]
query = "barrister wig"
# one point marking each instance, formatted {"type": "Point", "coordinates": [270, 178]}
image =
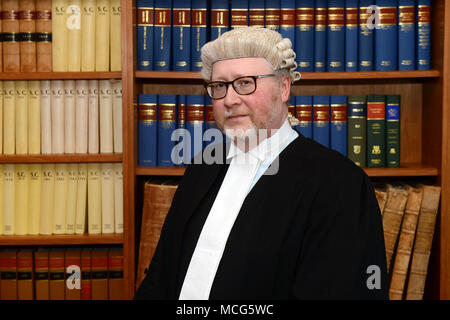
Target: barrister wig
{"type": "Point", "coordinates": [249, 42]}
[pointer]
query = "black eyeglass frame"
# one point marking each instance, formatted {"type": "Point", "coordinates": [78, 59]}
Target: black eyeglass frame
{"type": "Point", "coordinates": [227, 84]}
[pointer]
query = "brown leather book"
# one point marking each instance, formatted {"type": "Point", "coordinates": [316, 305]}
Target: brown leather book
{"type": "Point", "coordinates": [158, 197]}
{"type": "Point", "coordinates": [10, 29]}
{"type": "Point", "coordinates": [27, 29]}
{"type": "Point", "coordinates": [405, 243]}
{"type": "Point", "coordinates": [25, 289]}
{"type": "Point", "coordinates": [1, 42]}
{"type": "Point", "coordinates": [392, 218]}
{"type": "Point", "coordinates": [115, 273]}
{"type": "Point", "coordinates": [8, 274]}
{"type": "Point", "coordinates": [86, 288]}
{"type": "Point", "coordinates": [381, 195]}
{"type": "Point", "coordinates": [41, 274]}
{"type": "Point", "coordinates": [73, 276]}
{"type": "Point", "coordinates": [422, 245]}
{"type": "Point", "coordinates": [44, 35]}
{"type": "Point", "coordinates": [57, 274]}
{"type": "Point", "coordinates": [99, 267]}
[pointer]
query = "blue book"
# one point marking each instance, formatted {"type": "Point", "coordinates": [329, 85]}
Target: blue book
{"type": "Point", "coordinates": [219, 18]}
{"type": "Point", "coordinates": [256, 13]}
{"type": "Point", "coordinates": [239, 13]}
{"type": "Point", "coordinates": [365, 36]}
{"type": "Point", "coordinates": [304, 35]}
{"type": "Point", "coordinates": [321, 120]}
{"type": "Point", "coordinates": [198, 32]}
{"type": "Point", "coordinates": [406, 35]}
{"type": "Point", "coordinates": [272, 13]}
{"type": "Point", "coordinates": [167, 114]}
{"type": "Point", "coordinates": [147, 129]}
{"type": "Point", "coordinates": [210, 123]}
{"type": "Point", "coordinates": [180, 136]}
{"type": "Point", "coordinates": [351, 35]}
{"type": "Point", "coordinates": [386, 37]}
{"type": "Point", "coordinates": [336, 36]}
{"type": "Point", "coordinates": [291, 107]}
{"type": "Point", "coordinates": [423, 36]}
{"type": "Point", "coordinates": [338, 129]}
{"type": "Point", "coordinates": [320, 36]}
{"type": "Point", "coordinates": [144, 32]}
{"type": "Point", "coordinates": [181, 35]}
{"type": "Point", "coordinates": [162, 35]}
{"type": "Point", "coordinates": [287, 20]}
{"type": "Point", "coordinates": [304, 114]}
{"type": "Point", "coordinates": [195, 121]}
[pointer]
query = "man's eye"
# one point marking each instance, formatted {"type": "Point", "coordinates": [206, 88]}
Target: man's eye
{"type": "Point", "coordinates": [218, 85]}
{"type": "Point", "coordinates": [244, 83]}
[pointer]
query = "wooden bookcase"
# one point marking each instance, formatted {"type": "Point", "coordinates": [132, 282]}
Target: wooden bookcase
{"type": "Point", "coordinates": [425, 131]}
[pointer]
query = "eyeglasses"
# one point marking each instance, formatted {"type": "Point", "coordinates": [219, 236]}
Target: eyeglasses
{"type": "Point", "coordinates": [243, 85]}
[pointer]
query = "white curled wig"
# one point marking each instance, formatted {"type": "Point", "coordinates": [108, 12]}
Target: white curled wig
{"type": "Point", "coordinates": [250, 42]}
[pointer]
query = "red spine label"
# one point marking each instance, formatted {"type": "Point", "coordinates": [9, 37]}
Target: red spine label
{"type": "Point", "coordinates": [321, 113]}
{"type": "Point", "coordinates": [145, 17]}
{"type": "Point", "coordinates": [219, 18]}
{"type": "Point", "coordinates": [162, 18]}
{"type": "Point", "coordinates": [181, 18]}
{"type": "Point", "coordinates": [287, 18]}
{"type": "Point", "coordinates": [376, 111]}
{"type": "Point", "coordinates": [338, 113]}
{"type": "Point", "coordinates": [199, 17]}
{"type": "Point", "coordinates": [304, 17]}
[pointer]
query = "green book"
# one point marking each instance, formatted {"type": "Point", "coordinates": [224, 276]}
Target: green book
{"type": "Point", "coordinates": [393, 130]}
{"type": "Point", "coordinates": [356, 138]}
{"type": "Point", "coordinates": [376, 130]}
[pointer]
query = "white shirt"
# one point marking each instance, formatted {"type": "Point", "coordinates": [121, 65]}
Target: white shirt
{"type": "Point", "coordinates": [245, 169]}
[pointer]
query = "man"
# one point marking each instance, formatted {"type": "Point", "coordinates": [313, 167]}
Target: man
{"type": "Point", "coordinates": [310, 228]}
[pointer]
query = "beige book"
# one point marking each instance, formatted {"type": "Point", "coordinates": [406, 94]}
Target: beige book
{"type": "Point", "coordinates": [21, 117]}
{"type": "Point", "coordinates": [34, 117]}
{"type": "Point", "coordinates": [405, 243]}
{"type": "Point", "coordinates": [59, 35]}
{"type": "Point", "coordinates": [80, 219]}
{"type": "Point", "coordinates": [81, 115]}
{"type": "Point", "coordinates": [57, 89]}
{"type": "Point", "coordinates": [1, 199]}
{"type": "Point", "coordinates": [107, 198]}
{"type": "Point", "coordinates": [424, 239]}
{"type": "Point", "coordinates": [69, 116]}
{"type": "Point", "coordinates": [118, 197]}
{"type": "Point", "coordinates": [46, 117]}
{"type": "Point", "coordinates": [60, 200]}
{"type": "Point", "coordinates": [94, 198]}
{"type": "Point", "coordinates": [21, 198]}
{"type": "Point", "coordinates": [88, 35]}
{"type": "Point", "coordinates": [8, 199]}
{"type": "Point", "coordinates": [74, 35]}
{"type": "Point", "coordinates": [392, 218]}
{"type": "Point", "coordinates": [9, 117]}
{"type": "Point", "coordinates": [116, 35]}
{"type": "Point", "coordinates": [1, 112]}
{"type": "Point", "coordinates": [34, 198]}
{"type": "Point", "coordinates": [94, 123]}
{"type": "Point", "coordinates": [381, 196]}
{"type": "Point", "coordinates": [102, 29]}
{"type": "Point", "coordinates": [47, 199]}
{"type": "Point", "coordinates": [117, 114]}
{"type": "Point", "coordinates": [72, 188]}
{"type": "Point", "coordinates": [106, 117]}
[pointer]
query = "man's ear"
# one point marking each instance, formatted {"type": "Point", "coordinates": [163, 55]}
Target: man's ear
{"type": "Point", "coordinates": [285, 88]}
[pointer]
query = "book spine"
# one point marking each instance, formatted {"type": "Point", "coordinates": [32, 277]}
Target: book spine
{"type": "Point", "coordinates": [27, 35]}
{"type": "Point", "coordinates": [59, 35]}
{"type": "Point", "coordinates": [144, 31]}
{"type": "Point", "coordinates": [423, 37]}
{"type": "Point", "coordinates": [72, 258]}
{"type": "Point", "coordinates": [41, 275]}
{"type": "Point", "coordinates": [34, 198]}
{"type": "Point", "coordinates": [181, 35]}
{"type": "Point", "coordinates": [8, 193]}
{"type": "Point", "coordinates": [321, 120]}
{"type": "Point", "coordinates": [195, 120]}
{"type": "Point", "coordinates": [106, 117]}
{"type": "Point", "coordinates": [366, 35]}
{"type": "Point", "coordinates": [393, 130]}
{"type": "Point", "coordinates": [239, 13]}
{"type": "Point", "coordinates": [166, 125]}
{"type": "Point", "coordinates": [72, 188]}
{"type": "Point", "coordinates": [376, 131]}
{"type": "Point", "coordinates": [46, 117]}
{"type": "Point", "coordinates": [115, 273]}
{"type": "Point", "coordinates": [162, 35]}
{"type": "Point", "coordinates": [2, 93]}
{"type": "Point", "coordinates": [44, 35]}
{"type": "Point", "coordinates": [86, 274]}
{"type": "Point", "coordinates": [107, 171]}
{"type": "Point", "coordinates": [21, 117]}
{"type": "Point", "coordinates": [291, 108]}
{"type": "Point", "coordinates": [118, 198]}
{"type": "Point", "coordinates": [57, 116]}
{"type": "Point", "coordinates": [60, 198]}
{"type": "Point", "coordinates": [1, 199]}
{"type": "Point", "coordinates": [34, 117]}
{"type": "Point", "coordinates": [406, 34]}
{"type": "Point", "coordinates": [116, 88]}
{"type": "Point", "coordinates": [273, 14]}
{"type": "Point", "coordinates": [1, 42]}
{"type": "Point", "coordinates": [47, 199]}
{"type": "Point", "coordinates": [304, 114]}
{"type": "Point", "coordinates": [116, 35]}
{"type": "Point", "coordinates": [81, 116]}
{"type": "Point", "coordinates": [147, 129]}
{"type": "Point", "coordinates": [351, 35]}
{"type": "Point", "coordinates": [386, 36]}
{"type": "Point", "coordinates": [357, 118]}
{"type": "Point", "coordinates": [338, 124]}
{"type": "Point", "coordinates": [336, 36]}
{"type": "Point", "coordinates": [219, 18]}
{"type": "Point", "coordinates": [80, 218]}
{"type": "Point", "coordinates": [210, 122]}
{"type": "Point", "coordinates": [180, 157]}
{"type": "Point", "coordinates": [56, 274]}
{"type": "Point", "coordinates": [21, 199]}
{"type": "Point", "coordinates": [8, 274]}
{"type": "Point", "coordinates": [88, 22]}
{"type": "Point", "coordinates": [256, 13]}
{"type": "Point", "coordinates": [93, 118]}
{"type": "Point", "coordinates": [287, 20]}
{"type": "Point", "coordinates": [69, 116]}
{"type": "Point", "coordinates": [102, 28]}
{"type": "Point", "coordinates": [10, 36]}
{"type": "Point", "coordinates": [304, 35]}
{"type": "Point", "coordinates": [320, 36]}
{"type": "Point", "coordinates": [199, 32]}
{"type": "Point", "coordinates": [73, 24]}
{"type": "Point", "coordinates": [9, 117]}
{"type": "Point", "coordinates": [94, 186]}
{"type": "Point", "coordinates": [25, 287]}
{"type": "Point", "coordinates": [99, 273]}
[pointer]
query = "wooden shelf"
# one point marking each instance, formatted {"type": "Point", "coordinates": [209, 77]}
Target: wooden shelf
{"type": "Point", "coordinates": [63, 239]}
{"type": "Point", "coordinates": [50, 158]}
{"type": "Point", "coordinates": [59, 75]}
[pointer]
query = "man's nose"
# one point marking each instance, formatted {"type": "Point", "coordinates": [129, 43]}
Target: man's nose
{"type": "Point", "coordinates": [232, 97]}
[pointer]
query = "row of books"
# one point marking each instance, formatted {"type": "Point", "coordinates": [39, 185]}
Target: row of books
{"type": "Point", "coordinates": [51, 273]}
{"type": "Point", "coordinates": [61, 198]}
{"type": "Point", "coordinates": [366, 129]}
{"type": "Point", "coordinates": [333, 35]}
{"type": "Point", "coordinates": [61, 116]}
{"type": "Point", "coordinates": [60, 35]}
{"type": "Point", "coordinates": [409, 218]}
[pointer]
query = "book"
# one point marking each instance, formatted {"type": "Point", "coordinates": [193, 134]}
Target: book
{"type": "Point", "coordinates": [56, 270]}
{"type": "Point", "coordinates": [47, 199]}
{"type": "Point", "coordinates": [46, 117]}
{"type": "Point", "coordinates": [81, 116]}
{"type": "Point", "coordinates": [27, 32]}
{"type": "Point", "coordinates": [115, 273]}
{"type": "Point", "coordinates": [34, 197]}
{"type": "Point", "coordinates": [405, 243]}
{"type": "Point", "coordinates": [166, 125]}
{"type": "Point", "coordinates": [393, 212]}
{"type": "Point", "coordinates": [287, 20]}
{"type": "Point", "coordinates": [181, 35]}
{"type": "Point", "coordinates": [422, 245]}
{"type": "Point", "coordinates": [406, 35]}
{"type": "Point", "coordinates": [256, 13]}
{"type": "Point", "coordinates": [365, 36]}
{"type": "Point", "coordinates": [118, 197]}
{"type": "Point", "coordinates": [147, 129]}
{"type": "Point", "coordinates": [1, 109]}
{"type": "Point", "coordinates": [321, 120]}
{"type": "Point", "coordinates": [72, 188]}
{"type": "Point", "coordinates": [9, 117]}
{"type": "Point", "coordinates": [60, 198]}
{"type": "Point", "coordinates": [320, 36]}
{"type": "Point", "coordinates": [179, 152]}
{"type": "Point", "coordinates": [8, 274]}
{"type": "Point", "coordinates": [8, 193]}
{"type": "Point", "coordinates": [116, 89]}
{"type": "Point", "coordinates": [195, 120]}
{"type": "Point", "coordinates": [393, 130]}
{"type": "Point", "coordinates": [99, 273]}
{"type": "Point", "coordinates": [351, 35]}
{"type": "Point", "coordinates": [158, 195]}
{"type": "Point", "coordinates": [10, 35]}
{"type": "Point", "coordinates": [386, 36]}
{"type": "Point", "coordinates": [93, 118]}
{"type": "Point", "coordinates": [238, 13]}
{"type": "Point", "coordinates": [69, 116]}
{"type": "Point", "coordinates": [34, 117]}
{"type": "Point", "coordinates": [219, 18]}
{"type": "Point", "coordinates": [199, 29]}
{"type": "Point", "coordinates": [162, 46]}
{"type": "Point", "coordinates": [88, 25]}
{"type": "Point", "coordinates": [338, 124]}
{"type": "Point", "coordinates": [336, 36]}
{"type": "Point", "coordinates": [116, 35]}
{"type": "Point", "coordinates": [106, 116]}
{"type": "Point", "coordinates": [304, 114]}
{"type": "Point", "coordinates": [381, 195]}
{"type": "Point", "coordinates": [107, 197]}
{"type": "Point", "coordinates": [102, 37]}
{"type": "Point", "coordinates": [357, 121]}
{"type": "Point", "coordinates": [57, 116]}
{"type": "Point", "coordinates": [21, 98]}
{"type": "Point", "coordinates": [304, 35]}
{"type": "Point", "coordinates": [94, 200]}
{"type": "Point", "coordinates": [59, 35]}
{"type": "Point", "coordinates": [1, 43]}
{"type": "Point", "coordinates": [1, 198]}
{"type": "Point", "coordinates": [144, 31]}
{"type": "Point", "coordinates": [272, 14]}
{"type": "Point", "coordinates": [423, 35]}
{"type": "Point", "coordinates": [376, 130]}
{"type": "Point", "coordinates": [86, 274]}
{"type": "Point", "coordinates": [72, 263]}
{"type": "Point", "coordinates": [41, 273]}
{"type": "Point", "coordinates": [80, 217]}
{"type": "Point", "coordinates": [73, 25]}
{"type": "Point", "coordinates": [21, 198]}
{"type": "Point", "coordinates": [44, 36]}
{"type": "Point", "coordinates": [25, 281]}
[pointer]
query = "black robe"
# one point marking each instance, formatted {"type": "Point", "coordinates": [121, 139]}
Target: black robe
{"type": "Point", "coordinates": [312, 231]}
